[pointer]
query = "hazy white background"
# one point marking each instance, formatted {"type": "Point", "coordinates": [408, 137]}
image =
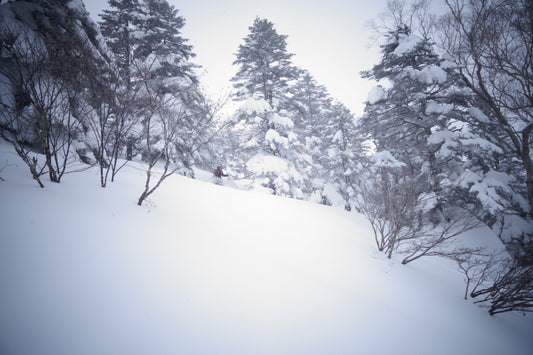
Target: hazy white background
{"type": "Point", "coordinates": [328, 38]}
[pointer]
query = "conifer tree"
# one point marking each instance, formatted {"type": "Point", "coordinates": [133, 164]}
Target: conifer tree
{"type": "Point", "coordinates": [310, 107]}
{"type": "Point", "coordinates": [160, 42]}
{"type": "Point", "coordinates": [261, 143]}
{"type": "Point", "coordinates": [265, 66]}
{"type": "Point", "coordinates": [119, 27]}
{"type": "Point", "coordinates": [425, 99]}
{"type": "Point", "coordinates": [424, 146]}
{"type": "Point", "coordinates": [264, 142]}
{"type": "Point", "coordinates": [491, 43]}
{"type": "Point", "coordinates": [345, 153]}
{"type": "Point", "coordinates": [171, 115]}
{"type": "Point", "coordinates": [310, 103]}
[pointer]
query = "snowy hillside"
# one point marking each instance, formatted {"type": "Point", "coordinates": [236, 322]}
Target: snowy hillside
{"type": "Point", "coordinates": [205, 269]}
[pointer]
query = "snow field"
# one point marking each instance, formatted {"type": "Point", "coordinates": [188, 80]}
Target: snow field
{"type": "Point", "coordinates": [206, 269]}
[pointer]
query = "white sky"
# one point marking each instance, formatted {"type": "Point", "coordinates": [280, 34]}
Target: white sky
{"type": "Point", "coordinates": [328, 38]}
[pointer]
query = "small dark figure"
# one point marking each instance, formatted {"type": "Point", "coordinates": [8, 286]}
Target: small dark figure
{"type": "Point", "coordinates": [218, 172]}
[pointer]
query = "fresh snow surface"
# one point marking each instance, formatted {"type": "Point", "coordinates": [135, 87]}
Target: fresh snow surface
{"type": "Point", "coordinates": [263, 164]}
{"type": "Point", "coordinates": [406, 44]}
{"type": "Point", "coordinates": [207, 269]}
{"type": "Point", "coordinates": [478, 115]}
{"type": "Point", "coordinates": [432, 74]}
{"type": "Point", "coordinates": [255, 105]}
{"type": "Point", "coordinates": [385, 159]}
{"type": "Point", "coordinates": [376, 94]}
{"type": "Point", "coordinates": [282, 121]}
{"type": "Point", "coordinates": [436, 107]}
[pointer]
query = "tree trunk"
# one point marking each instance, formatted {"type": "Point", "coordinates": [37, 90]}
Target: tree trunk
{"type": "Point", "coordinates": [129, 150]}
{"type": "Point", "coordinates": [528, 164]}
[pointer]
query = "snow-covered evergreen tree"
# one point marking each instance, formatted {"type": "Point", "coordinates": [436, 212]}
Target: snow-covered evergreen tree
{"type": "Point", "coordinates": [119, 26]}
{"type": "Point", "coordinates": [173, 120]}
{"type": "Point", "coordinates": [329, 145]}
{"type": "Point", "coordinates": [262, 144]}
{"type": "Point", "coordinates": [482, 146]}
{"type": "Point", "coordinates": [310, 107]}
{"type": "Point", "coordinates": [161, 45]}
{"type": "Point", "coordinates": [167, 80]}
{"type": "Point", "coordinates": [151, 53]}
{"type": "Point", "coordinates": [344, 155]}
{"type": "Point", "coordinates": [417, 121]}
{"type": "Point", "coordinates": [265, 66]}
{"type": "Point", "coordinates": [491, 44]}
{"type": "Point", "coordinates": [423, 100]}
{"type": "Point", "coordinates": [263, 137]}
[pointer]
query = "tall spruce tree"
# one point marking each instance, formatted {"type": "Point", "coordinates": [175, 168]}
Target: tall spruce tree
{"type": "Point", "coordinates": [263, 134]}
{"type": "Point", "coordinates": [265, 66]}
{"type": "Point", "coordinates": [310, 103]}
{"type": "Point", "coordinates": [171, 113]}
{"type": "Point", "coordinates": [119, 27]}
{"type": "Point", "coordinates": [430, 118]}
{"type": "Point", "coordinates": [344, 155]}
{"type": "Point", "coordinates": [310, 106]}
{"type": "Point", "coordinates": [425, 147]}
{"type": "Point", "coordinates": [425, 97]}
{"type": "Point", "coordinates": [153, 60]}
{"type": "Point", "coordinates": [160, 42]}
{"type": "Point", "coordinates": [262, 143]}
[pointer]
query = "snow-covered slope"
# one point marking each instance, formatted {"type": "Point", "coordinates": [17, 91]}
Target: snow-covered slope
{"type": "Point", "coordinates": [205, 269]}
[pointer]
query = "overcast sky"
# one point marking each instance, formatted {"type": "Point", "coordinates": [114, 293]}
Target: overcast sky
{"type": "Point", "coordinates": [328, 38]}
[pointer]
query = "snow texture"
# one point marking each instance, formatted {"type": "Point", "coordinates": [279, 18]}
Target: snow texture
{"type": "Point", "coordinates": [331, 192]}
{"type": "Point", "coordinates": [478, 115]}
{"type": "Point", "coordinates": [432, 74]}
{"type": "Point", "coordinates": [385, 159]}
{"type": "Point", "coordinates": [436, 107]}
{"type": "Point", "coordinates": [406, 44]}
{"type": "Point", "coordinates": [282, 121]}
{"type": "Point", "coordinates": [446, 139]}
{"type": "Point", "coordinates": [376, 94]}
{"type": "Point", "coordinates": [255, 105]}
{"type": "Point", "coordinates": [338, 137]}
{"type": "Point", "coordinates": [272, 136]}
{"type": "Point", "coordinates": [205, 269]}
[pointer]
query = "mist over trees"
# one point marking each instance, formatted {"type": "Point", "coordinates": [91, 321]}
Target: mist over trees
{"type": "Point", "coordinates": [444, 144]}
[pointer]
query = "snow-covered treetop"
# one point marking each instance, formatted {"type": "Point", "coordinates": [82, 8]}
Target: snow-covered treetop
{"type": "Point", "coordinates": [376, 94]}
{"type": "Point", "coordinates": [407, 42]}
{"type": "Point", "coordinates": [385, 159]}
{"type": "Point", "coordinates": [255, 105]}
{"type": "Point", "coordinates": [404, 50]}
{"type": "Point", "coordinates": [282, 121]}
{"type": "Point", "coordinates": [264, 63]}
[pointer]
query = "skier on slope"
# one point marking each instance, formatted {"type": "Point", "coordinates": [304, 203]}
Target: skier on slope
{"type": "Point", "coordinates": [218, 172]}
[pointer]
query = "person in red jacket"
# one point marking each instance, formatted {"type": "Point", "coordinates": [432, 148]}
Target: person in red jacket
{"type": "Point", "coordinates": [218, 172]}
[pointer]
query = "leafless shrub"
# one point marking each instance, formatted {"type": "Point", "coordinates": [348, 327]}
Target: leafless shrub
{"type": "Point", "coordinates": [38, 102]}
{"type": "Point", "coordinates": [437, 240]}
{"type": "Point", "coordinates": [176, 126]}
{"type": "Point", "coordinates": [403, 216]}
{"type": "Point", "coordinates": [511, 289]}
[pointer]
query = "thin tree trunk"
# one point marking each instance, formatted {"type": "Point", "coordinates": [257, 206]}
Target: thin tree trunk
{"type": "Point", "coordinates": [528, 164]}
